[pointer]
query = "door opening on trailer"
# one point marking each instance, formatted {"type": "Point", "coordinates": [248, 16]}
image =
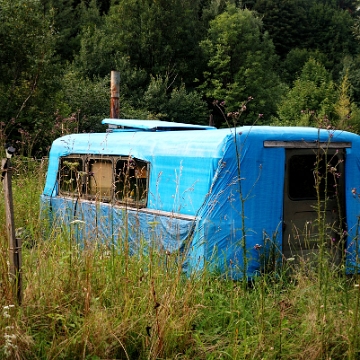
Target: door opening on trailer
{"type": "Point", "coordinates": [313, 202]}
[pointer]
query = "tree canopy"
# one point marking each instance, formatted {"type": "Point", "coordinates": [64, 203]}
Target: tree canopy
{"type": "Point", "coordinates": [179, 60]}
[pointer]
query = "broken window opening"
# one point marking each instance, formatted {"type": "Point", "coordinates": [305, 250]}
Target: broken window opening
{"type": "Point", "coordinates": [70, 176]}
{"type": "Point", "coordinates": [131, 182]}
{"type": "Point", "coordinates": [121, 180]}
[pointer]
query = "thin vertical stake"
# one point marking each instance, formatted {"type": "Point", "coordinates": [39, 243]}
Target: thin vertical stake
{"type": "Point", "coordinates": [14, 244]}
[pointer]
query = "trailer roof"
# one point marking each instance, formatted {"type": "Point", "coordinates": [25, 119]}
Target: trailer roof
{"type": "Point", "coordinates": [146, 144]}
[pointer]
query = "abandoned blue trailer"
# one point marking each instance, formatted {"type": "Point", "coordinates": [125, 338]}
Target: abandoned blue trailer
{"type": "Point", "coordinates": [222, 197]}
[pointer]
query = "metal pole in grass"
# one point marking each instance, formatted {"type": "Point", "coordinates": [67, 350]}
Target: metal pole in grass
{"type": "Point", "coordinates": [14, 243]}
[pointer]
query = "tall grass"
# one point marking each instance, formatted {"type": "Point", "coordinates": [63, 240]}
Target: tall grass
{"type": "Point", "coordinates": [92, 303]}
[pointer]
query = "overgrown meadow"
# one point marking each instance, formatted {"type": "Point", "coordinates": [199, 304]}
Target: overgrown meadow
{"type": "Point", "coordinates": [98, 302]}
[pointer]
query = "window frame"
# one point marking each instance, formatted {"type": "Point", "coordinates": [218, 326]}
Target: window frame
{"type": "Point", "coordinates": [85, 176]}
{"type": "Point", "coordinates": [134, 199]}
{"type": "Point", "coordinates": [79, 185]}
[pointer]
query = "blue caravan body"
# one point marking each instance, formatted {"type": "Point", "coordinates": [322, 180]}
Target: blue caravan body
{"type": "Point", "coordinates": [218, 196]}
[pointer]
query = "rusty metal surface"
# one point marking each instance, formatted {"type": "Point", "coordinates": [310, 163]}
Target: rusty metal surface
{"type": "Point", "coordinates": [115, 95]}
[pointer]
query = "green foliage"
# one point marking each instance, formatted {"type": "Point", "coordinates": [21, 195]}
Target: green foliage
{"type": "Point", "coordinates": [95, 58]}
{"type": "Point", "coordinates": [28, 73]}
{"type": "Point", "coordinates": [241, 64]}
{"type": "Point", "coordinates": [352, 70]}
{"type": "Point", "coordinates": [348, 114]}
{"type": "Point", "coordinates": [158, 37]}
{"type": "Point", "coordinates": [229, 50]}
{"type": "Point", "coordinates": [88, 99]}
{"type": "Point", "coordinates": [333, 29]}
{"type": "Point", "coordinates": [155, 96]}
{"type": "Point", "coordinates": [27, 45]}
{"type": "Point", "coordinates": [349, 5]}
{"type": "Point", "coordinates": [102, 51]}
{"type": "Point", "coordinates": [312, 95]}
{"type": "Point", "coordinates": [311, 24]}
{"type": "Point", "coordinates": [175, 104]}
{"type": "Point", "coordinates": [213, 8]}
{"type": "Point", "coordinates": [315, 96]}
{"type": "Point", "coordinates": [296, 59]}
{"type": "Point", "coordinates": [286, 21]}
{"type": "Point", "coordinates": [187, 107]}
{"type": "Point", "coordinates": [69, 17]}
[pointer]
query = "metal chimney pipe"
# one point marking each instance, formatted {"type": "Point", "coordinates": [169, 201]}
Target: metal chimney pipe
{"type": "Point", "coordinates": [115, 94]}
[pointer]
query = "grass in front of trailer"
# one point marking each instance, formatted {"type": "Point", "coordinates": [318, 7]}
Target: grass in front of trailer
{"type": "Point", "coordinates": [101, 304]}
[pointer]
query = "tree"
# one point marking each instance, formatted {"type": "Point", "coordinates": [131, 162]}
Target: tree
{"type": "Point", "coordinates": [352, 71]}
{"type": "Point", "coordinates": [157, 36]}
{"type": "Point", "coordinates": [69, 17]}
{"type": "Point", "coordinates": [346, 109]}
{"type": "Point", "coordinates": [343, 105]}
{"type": "Point", "coordinates": [286, 21]}
{"type": "Point", "coordinates": [240, 64]}
{"type": "Point", "coordinates": [174, 104]}
{"type": "Point", "coordinates": [28, 73]}
{"type": "Point", "coordinates": [331, 33]}
{"type": "Point", "coordinates": [295, 60]}
{"type": "Point", "coordinates": [349, 5]}
{"type": "Point", "coordinates": [310, 24]}
{"type": "Point", "coordinates": [312, 96]}
{"type": "Point", "coordinates": [86, 99]}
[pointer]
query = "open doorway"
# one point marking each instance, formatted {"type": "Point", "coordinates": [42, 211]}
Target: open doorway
{"type": "Point", "coordinates": [314, 212]}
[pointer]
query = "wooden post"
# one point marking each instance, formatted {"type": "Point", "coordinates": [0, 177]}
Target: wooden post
{"type": "Point", "coordinates": [14, 243]}
{"type": "Point", "coordinates": [211, 120]}
{"type": "Point", "coordinates": [115, 95]}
